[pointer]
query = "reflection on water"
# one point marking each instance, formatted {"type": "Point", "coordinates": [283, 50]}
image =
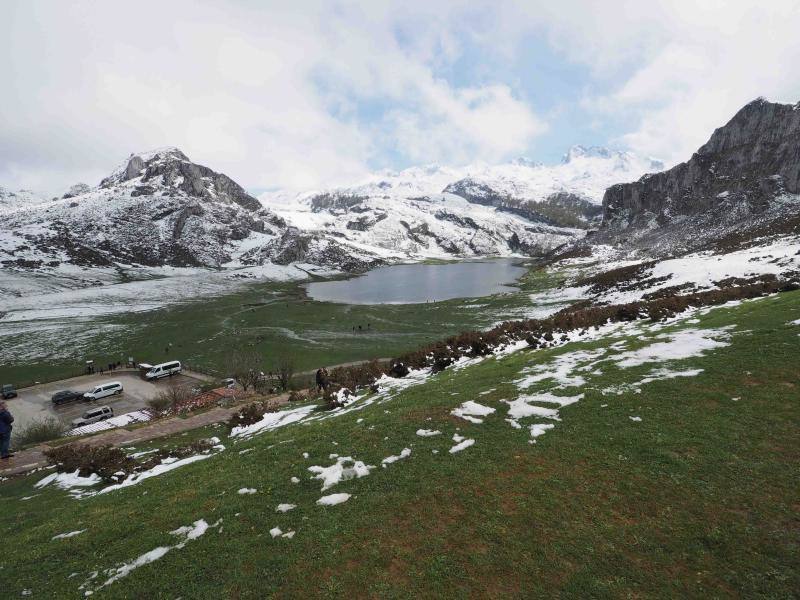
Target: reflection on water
{"type": "Point", "coordinates": [418, 283]}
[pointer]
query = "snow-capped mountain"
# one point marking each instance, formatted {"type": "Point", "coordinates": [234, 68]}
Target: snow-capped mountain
{"type": "Point", "coordinates": [431, 226]}
{"type": "Point", "coordinates": [585, 172]}
{"type": "Point", "coordinates": [159, 209]}
{"type": "Point", "coordinates": [434, 210]}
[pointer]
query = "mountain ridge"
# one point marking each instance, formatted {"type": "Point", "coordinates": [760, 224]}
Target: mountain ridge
{"type": "Point", "coordinates": [746, 176]}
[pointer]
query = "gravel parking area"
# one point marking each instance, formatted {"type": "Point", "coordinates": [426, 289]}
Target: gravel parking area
{"type": "Point", "coordinates": [35, 402]}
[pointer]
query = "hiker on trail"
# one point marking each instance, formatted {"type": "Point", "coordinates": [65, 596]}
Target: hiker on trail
{"type": "Point", "coordinates": [5, 430]}
{"type": "Point", "coordinates": [320, 386]}
{"type": "Point", "coordinates": [325, 380]}
{"type": "Point", "coordinates": [322, 379]}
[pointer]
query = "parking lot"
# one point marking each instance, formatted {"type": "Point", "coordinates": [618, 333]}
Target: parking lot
{"type": "Point", "coordinates": [35, 402]}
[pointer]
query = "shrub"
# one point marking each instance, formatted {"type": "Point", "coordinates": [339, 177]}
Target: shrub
{"type": "Point", "coordinates": [38, 431]}
{"type": "Point", "coordinates": [252, 413]}
{"type": "Point", "coordinates": [106, 460]}
{"type": "Point", "coordinates": [160, 403]}
{"type": "Point", "coordinates": [110, 463]}
{"type": "Point", "coordinates": [295, 396]}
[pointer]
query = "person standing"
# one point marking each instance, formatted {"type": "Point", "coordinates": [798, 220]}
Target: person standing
{"type": "Point", "coordinates": [5, 430]}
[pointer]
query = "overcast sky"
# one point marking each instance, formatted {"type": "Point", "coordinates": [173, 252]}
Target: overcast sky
{"type": "Point", "coordinates": [301, 95]}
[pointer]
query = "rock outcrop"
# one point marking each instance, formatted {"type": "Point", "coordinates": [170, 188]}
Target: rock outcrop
{"type": "Point", "coordinates": [171, 168]}
{"type": "Point", "coordinates": [744, 167]}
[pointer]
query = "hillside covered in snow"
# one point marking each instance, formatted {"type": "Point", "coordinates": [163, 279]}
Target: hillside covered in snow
{"type": "Point", "coordinates": [160, 210]}
{"type": "Point", "coordinates": [437, 211]}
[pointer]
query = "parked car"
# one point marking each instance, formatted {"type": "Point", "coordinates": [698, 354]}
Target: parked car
{"type": "Point", "coordinates": [103, 390]}
{"type": "Point", "coordinates": [163, 370]}
{"type": "Point", "coordinates": [93, 416]}
{"type": "Point", "coordinates": [65, 396]}
{"type": "Point", "coordinates": [229, 382]}
{"type": "Point", "coordinates": [8, 391]}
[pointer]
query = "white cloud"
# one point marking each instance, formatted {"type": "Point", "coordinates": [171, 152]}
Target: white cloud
{"type": "Point", "coordinates": [709, 60]}
{"type": "Point", "coordinates": [237, 87]}
{"type": "Point", "coordinates": [313, 93]}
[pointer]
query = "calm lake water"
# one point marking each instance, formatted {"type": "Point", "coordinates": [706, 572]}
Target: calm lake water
{"type": "Point", "coordinates": [418, 283]}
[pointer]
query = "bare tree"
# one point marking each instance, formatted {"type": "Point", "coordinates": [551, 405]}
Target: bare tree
{"type": "Point", "coordinates": [245, 367]}
{"type": "Point", "coordinates": [284, 372]}
{"type": "Point", "coordinates": [169, 399]}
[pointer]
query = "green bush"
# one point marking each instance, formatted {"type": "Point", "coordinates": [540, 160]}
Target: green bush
{"type": "Point", "coordinates": [38, 431]}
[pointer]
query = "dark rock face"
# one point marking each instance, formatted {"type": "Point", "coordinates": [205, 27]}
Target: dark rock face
{"type": "Point", "coordinates": [745, 165]}
{"type": "Point", "coordinates": [466, 222]}
{"type": "Point", "coordinates": [475, 192]}
{"type": "Point", "coordinates": [563, 209]}
{"type": "Point", "coordinates": [365, 223]}
{"type": "Point", "coordinates": [335, 201]}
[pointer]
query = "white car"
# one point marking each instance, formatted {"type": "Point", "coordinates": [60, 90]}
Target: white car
{"type": "Point", "coordinates": [104, 389]}
{"type": "Point", "coordinates": [163, 370]}
{"type": "Point", "coordinates": [93, 416]}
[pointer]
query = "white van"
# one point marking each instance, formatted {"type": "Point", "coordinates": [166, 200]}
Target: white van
{"type": "Point", "coordinates": [104, 389]}
{"type": "Point", "coordinates": [93, 416]}
{"type": "Point", "coordinates": [163, 370]}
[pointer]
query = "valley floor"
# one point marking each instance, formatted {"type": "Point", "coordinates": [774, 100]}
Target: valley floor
{"type": "Point", "coordinates": [648, 460]}
{"type": "Point", "coordinates": [202, 323]}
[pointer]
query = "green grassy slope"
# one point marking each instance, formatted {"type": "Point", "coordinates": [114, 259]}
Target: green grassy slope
{"type": "Point", "coordinates": [697, 499]}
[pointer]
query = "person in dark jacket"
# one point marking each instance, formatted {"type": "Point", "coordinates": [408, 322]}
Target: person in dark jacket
{"type": "Point", "coordinates": [5, 430]}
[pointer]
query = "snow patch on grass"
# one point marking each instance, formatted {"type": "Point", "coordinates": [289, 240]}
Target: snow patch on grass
{"type": "Point", "coordinates": [273, 421]}
{"type": "Point", "coordinates": [428, 432]}
{"type": "Point", "coordinates": [188, 533]}
{"type": "Point", "coordinates": [64, 536]}
{"type": "Point", "coordinates": [405, 453]}
{"type": "Point", "coordinates": [333, 499]}
{"type": "Point", "coordinates": [685, 343]}
{"type": "Point", "coordinates": [462, 445]}
{"type": "Point", "coordinates": [340, 471]}
{"type": "Point", "coordinates": [471, 411]}
{"type": "Point", "coordinates": [538, 429]}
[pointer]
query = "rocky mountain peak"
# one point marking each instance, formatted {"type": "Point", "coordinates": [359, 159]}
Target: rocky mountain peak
{"type": "Point", "coordinates": [523, 161]}
{"type": "Point", "coordinates": [168, 171]}
{"type": "Point", "coordinates": [749, 169]}
{"type": "Point", "coordinates": [619, 160]}
{"type": "Point", "coordinates": [579, 151]}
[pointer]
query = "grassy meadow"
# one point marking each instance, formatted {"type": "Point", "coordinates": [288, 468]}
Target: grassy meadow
{"type": "Point", "coordinates": [696, 499]}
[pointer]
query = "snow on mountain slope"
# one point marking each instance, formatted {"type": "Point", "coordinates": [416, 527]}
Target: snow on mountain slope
{"type": "Point", "coordinates": [435, 226]}
{"type": "Point", "coordinates": [520, 207]}
{"type": "Point", "coordinates": [10, 201]}
{"type": "Point", "coordinates": [583, 171]}
{"type": "Point", "coordinates": [158, 209]}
